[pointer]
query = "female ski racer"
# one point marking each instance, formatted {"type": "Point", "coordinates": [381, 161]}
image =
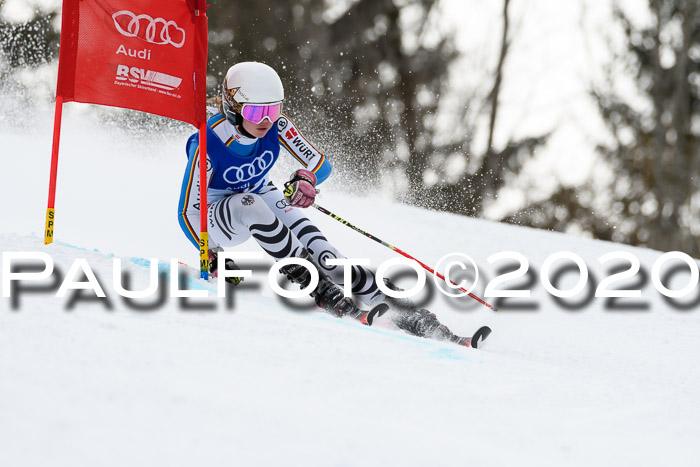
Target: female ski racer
{"type": "Point", "coordinates": [243, 143]}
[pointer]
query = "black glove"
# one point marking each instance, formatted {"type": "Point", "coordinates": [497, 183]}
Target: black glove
{"type": "Point", "coordinates": [230, 266]}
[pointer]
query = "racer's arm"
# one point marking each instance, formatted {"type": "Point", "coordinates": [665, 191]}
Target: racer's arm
{"type": "Point", "coordinates": [188, 208]}
{"type": "Point", "coordinates": [302, 150]}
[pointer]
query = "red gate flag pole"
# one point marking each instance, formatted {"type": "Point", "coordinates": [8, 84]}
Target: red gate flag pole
{"type": "Point", "coordinates": [147, 55]}
{"type": "Point", "coordinates": [200, 12]}
{"type": "Point", "coordinates": [48, 232]}
{"type": "Point", "coordinates": [203, 204]}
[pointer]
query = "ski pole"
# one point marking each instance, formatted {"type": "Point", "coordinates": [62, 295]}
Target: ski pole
{"type": "Point", "coordinates": [392, 247]}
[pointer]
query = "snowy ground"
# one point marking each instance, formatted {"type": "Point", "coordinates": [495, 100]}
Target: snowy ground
{"type": "Point", "coordinates": [96, 382]}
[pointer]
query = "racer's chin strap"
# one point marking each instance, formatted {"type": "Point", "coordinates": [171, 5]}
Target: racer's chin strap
{"type": "Point", "coordinates": [237, 120]}
{"type": "Point", "coordinates": [242, 130]}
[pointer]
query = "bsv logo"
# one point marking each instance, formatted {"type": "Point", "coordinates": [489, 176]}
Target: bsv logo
{"type": "Point", "coordinates": [153, 30]}
{"type": "Point", "coordinates": [151, 78]}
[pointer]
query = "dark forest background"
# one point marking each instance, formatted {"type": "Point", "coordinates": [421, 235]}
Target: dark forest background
{"type": "Point", "coordinates": [368, 77]}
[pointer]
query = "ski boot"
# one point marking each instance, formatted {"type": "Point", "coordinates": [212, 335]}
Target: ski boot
{"type": "Point", "coordinates": [229, 266]}
{"type": "Point", "coordinates": [417, 321]}
{"type": "Point", "coordinates": [423, 323]}
{"type": "Point", "coordinates": [328, 295]}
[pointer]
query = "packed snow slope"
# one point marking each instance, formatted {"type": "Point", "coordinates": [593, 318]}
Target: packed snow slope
{"type": "Point", "coordinates": [254, 380]}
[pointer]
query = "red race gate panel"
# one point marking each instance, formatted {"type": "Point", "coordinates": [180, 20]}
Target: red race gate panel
{"type": "Point", "coordinates": [147, 55]}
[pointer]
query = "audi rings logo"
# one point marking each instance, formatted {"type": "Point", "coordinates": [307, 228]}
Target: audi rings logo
{"type": "Point", "coordinates": [249, 171]}
{"type": "Point", "coordinates": [154, 30]}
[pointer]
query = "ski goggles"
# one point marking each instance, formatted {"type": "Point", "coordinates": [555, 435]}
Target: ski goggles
{"type": "Point", "coordinates": [256, 113]}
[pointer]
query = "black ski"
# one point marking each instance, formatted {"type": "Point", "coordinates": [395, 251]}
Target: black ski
{"type": "Point", "coordinates": [367, 316]}
{"type": "Point", "coordinates": [480, 336]}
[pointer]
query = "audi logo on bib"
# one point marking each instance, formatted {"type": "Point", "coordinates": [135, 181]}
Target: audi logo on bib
{"type": "Point", "coordinates": [155, 31]}
{"type": "Point", "coordinates": [246, 172]}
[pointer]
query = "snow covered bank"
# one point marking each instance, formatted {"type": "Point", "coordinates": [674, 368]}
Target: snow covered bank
{"type": "Point", "coordinates": [83, 383]}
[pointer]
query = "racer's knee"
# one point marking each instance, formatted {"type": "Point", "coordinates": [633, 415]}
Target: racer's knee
{"type": "Point", "coordinates": [253, 210]}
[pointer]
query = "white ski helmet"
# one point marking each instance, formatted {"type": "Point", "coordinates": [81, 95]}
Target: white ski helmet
{"type": "Point", "coordinates": [251, 83]}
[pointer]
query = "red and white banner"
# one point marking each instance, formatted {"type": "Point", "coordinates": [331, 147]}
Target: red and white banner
{"type": "Point", "coordinates": [147, 55]}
